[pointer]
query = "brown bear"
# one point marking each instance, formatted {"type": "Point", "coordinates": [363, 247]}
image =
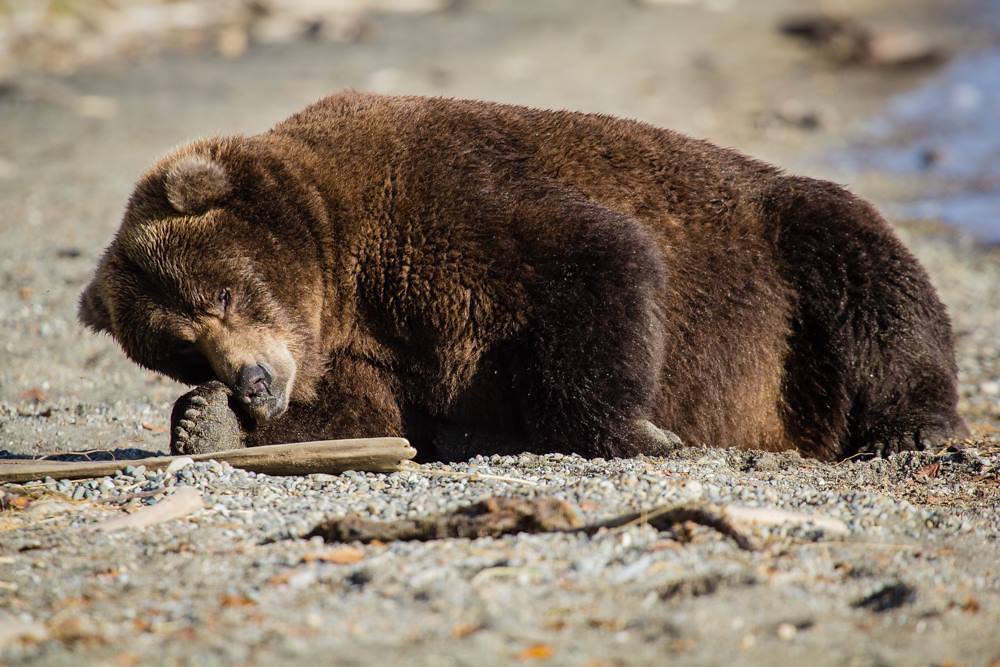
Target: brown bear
{"type": "Point", "coordinates": [410, 266]}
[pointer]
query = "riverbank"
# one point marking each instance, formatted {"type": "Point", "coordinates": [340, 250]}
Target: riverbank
{"type": "Point", "coordinates": [913, 579]}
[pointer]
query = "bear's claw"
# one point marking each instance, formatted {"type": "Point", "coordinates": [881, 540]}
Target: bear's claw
{"type": "Point", "coordinates": [203, 422]}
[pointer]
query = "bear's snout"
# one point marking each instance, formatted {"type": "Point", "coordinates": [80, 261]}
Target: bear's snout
{"type": "Point", "coordinates": [253, 383]}
{"type": "Point", "coordinates": [254, 362]}
{"type": "Point", "coordinates": [256, 392]}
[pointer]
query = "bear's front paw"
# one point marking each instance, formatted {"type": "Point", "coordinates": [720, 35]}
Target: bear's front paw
{"type": "Point", "coordinates": [202, 421]}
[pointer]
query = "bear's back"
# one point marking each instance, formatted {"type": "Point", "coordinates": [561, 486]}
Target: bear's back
{"type": "Point", "coordinates": [658, 176]}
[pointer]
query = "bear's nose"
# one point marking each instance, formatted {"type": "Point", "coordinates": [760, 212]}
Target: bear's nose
{"type": "Point", "coordinates": [253, 383]}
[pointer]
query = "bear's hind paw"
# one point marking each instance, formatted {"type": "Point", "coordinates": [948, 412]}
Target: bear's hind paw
{"type": "Point", "coordinates": [654, 441]}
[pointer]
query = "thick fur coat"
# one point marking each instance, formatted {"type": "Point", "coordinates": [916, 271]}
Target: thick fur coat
{"type": "Point", "coordinates": [401, 265]}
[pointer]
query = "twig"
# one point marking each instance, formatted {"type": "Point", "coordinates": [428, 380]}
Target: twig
{"type": "Point", "coordinates": [666, 517]}
{"type": "Point", "coordinates": [86, 452]}
{"type": "Point", "coordinates": [125, 497]}
{"type": "Point", "coordinates": [852, 457]}
{"type": "Point", "coordinates": [410, 466]}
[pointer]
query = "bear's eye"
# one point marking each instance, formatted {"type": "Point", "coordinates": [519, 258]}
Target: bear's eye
{"type": "Point", "coordinates": [225, 298]}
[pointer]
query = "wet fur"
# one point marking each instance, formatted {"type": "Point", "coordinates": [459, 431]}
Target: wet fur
{"type": "Point", "coordinates": [554, 276]}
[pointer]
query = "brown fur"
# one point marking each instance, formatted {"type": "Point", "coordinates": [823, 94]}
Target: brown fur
{"type": "Point", "coordinates": [424, 263]}
{"type": "Point", "coordinates": [194, 182]}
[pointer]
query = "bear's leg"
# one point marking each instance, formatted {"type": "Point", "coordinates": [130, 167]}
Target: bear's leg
{"type": "Point", "coordinates": [871, 365]}
{"type": "Point", "coordinates": [593, 348]}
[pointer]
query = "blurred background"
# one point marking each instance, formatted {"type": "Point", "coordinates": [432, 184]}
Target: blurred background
{"type": "Point", "coordinates": [897, 99]}
{"type": "Point", "coordinates": [915, 83]}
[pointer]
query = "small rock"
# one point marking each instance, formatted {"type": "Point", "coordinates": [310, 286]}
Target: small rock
{"type": "Point", "coordinates": [888, 597]}
{"type": "Point", "coordinates": [302, 577]}
{"type": "Point", "coordinates": [14, 631]}
{"type": "Point", "coordinates": [43, 508]}
{"type": "Point", "coordinates": [787, 631]}
{"type": "Point", "coordinates": [849, 42]}
{"type": "Point", "coordinates": [96, 106]}
{"type": "Point", "coordinates": [71, 629]}
{"type": "Point", "coordinates": [178, 464]}
{"type": "Point", "coordinates": [231, 42]}
{"type": "Point", "coordinates": [795, 114]}
{"type": "Point", "coordinates": [932, 156]}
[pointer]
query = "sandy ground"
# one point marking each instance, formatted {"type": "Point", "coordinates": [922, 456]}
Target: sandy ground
{"type": "Point", "coordinates": [70, 150]}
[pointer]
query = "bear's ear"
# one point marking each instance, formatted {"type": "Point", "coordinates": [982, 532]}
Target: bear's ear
{"type": "Point", "coordinates": [92, 311]}
{"type": "Point", "coordinates": [195, 182]}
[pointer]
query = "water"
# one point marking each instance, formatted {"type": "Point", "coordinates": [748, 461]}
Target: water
{"type": "Point", "coordinates": [948, 130]}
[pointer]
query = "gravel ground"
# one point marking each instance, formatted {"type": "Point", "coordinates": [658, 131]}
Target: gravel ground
{"type": "Point", "coordinates": [234, 583]}
{"type": "Point", "coordinates": [912, 579]}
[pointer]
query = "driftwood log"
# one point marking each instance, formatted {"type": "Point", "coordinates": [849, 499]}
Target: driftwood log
{"type": "Point", "coordinates": [301, 458]}
{"type": "Point", "coordinates": [497, 516]}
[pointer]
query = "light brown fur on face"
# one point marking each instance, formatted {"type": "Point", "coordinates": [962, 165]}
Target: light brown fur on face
{"type": "Point", "coordinates": [230, 344]}
{"type": "Point", "coordinates": [407, 266]}
{"type": "Point", "coordinates": [186, 331]}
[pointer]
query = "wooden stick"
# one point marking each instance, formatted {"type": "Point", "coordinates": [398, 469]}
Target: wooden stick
{"type": "Point", "coordinates": [767, 516]}
{"type": "Point", "coordinates": [185, 500]}
{"type": "Point", "coordinates": [300, 458]}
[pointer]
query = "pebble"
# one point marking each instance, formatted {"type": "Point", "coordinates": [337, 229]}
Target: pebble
{"type": "Point", "coordinates": [178, 464]}
{"type": "Point", "coordinates": [247, 511]}
{"type": "Point", "coordinates": [787, 631]}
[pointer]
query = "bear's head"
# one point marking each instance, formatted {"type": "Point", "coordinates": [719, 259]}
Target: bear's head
{"type": "Point", "coordinates": [215, 274]}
